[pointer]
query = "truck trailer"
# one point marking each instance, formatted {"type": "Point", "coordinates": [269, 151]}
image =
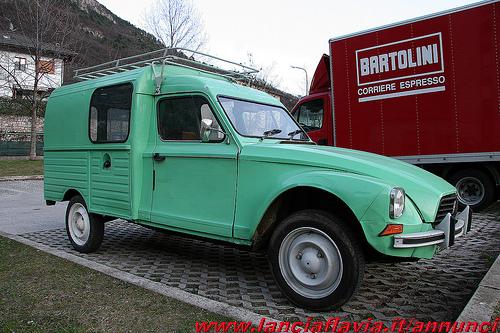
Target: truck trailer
{"type": "Point", "coordinates": [425, 91]}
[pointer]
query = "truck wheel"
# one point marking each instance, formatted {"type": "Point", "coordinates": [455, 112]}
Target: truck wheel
{"type": "Point", "coordinates": [316, 260]}
{"type": "Point", "coordinates": [474, 188]}
{"type": "Point", "coordinates": [85, 230]}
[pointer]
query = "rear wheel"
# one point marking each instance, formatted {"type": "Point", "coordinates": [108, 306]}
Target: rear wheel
{"type": "Point", "coordinates": [316, 260]}
{"type": "Point", "coordinates": [85, 230]}
{"type": "Point", "coordinates": [474, 188]}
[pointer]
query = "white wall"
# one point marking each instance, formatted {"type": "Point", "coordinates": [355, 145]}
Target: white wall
{"type": "Point", "coordinates": [26, 78]}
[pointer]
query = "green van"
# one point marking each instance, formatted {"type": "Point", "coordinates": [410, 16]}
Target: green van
{"type": "Point", "coordinates": [182, 146]}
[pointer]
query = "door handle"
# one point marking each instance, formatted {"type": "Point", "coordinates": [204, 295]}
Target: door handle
{"type": "Point", "coordinates": [158, 158]}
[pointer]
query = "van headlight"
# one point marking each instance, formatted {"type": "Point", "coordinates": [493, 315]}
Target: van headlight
{"type": "Point", "coordinates": [397, 202]}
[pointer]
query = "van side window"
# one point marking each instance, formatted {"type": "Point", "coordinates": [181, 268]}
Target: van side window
{"type": "Point", "coordinates": [110, 114]}
{"type": "Point", "coordinates": [310, 115]}
{"type": "Point", "coordinates": [179, 119]}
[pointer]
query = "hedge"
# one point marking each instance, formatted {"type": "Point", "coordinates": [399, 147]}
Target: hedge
{"type": "Point", "coordinates": [20, 107]}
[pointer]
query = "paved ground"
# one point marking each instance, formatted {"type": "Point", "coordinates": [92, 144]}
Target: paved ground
{"type": "Point", "coordinates": [22, 208]}
{"type": "Point", "coordinates": [436, 289]}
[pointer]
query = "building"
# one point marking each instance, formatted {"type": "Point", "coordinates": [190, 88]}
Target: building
{"type": "Point", "coordinates": [18, 67]}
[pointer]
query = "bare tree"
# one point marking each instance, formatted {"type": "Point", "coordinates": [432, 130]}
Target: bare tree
{"type": "Point", "coordinates": [42, 29]}
{"type": "Point", "coordinates": [266, 76]}
{"type": "Point", "coordinates": [175, 23]}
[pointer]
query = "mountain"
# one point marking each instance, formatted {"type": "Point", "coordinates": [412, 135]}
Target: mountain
{"type": "Point", "coordinates": [107, 36]}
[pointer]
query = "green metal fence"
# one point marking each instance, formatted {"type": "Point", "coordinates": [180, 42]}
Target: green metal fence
{"type": "Point", "coordinates": [18, 144]}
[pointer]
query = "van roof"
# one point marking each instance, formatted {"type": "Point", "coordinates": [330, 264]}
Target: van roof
{"type": "Point", "coordinates": [175, 79]}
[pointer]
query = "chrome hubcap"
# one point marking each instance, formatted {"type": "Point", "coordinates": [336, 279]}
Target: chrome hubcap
{"type": "Point", "coordinates": [470, 191]}
{"type": "Point", "coordinates": [79, 224]}
{"type": "Point", "coordinates": [310, 262]}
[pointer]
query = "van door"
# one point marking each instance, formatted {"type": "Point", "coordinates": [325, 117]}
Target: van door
{"type": "Point", "coordinates": [310, 114]}
{"type": "Point", "coordinates": [109, 127]}
{"type": "Point", "coordinates": [194, 182]}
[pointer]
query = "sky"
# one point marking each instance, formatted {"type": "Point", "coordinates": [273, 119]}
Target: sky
{"type": "Point", "coordinates": [280, 34]}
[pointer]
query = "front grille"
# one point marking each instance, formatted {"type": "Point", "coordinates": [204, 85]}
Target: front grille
{"type": "Point", "coordinates": [446, 206]}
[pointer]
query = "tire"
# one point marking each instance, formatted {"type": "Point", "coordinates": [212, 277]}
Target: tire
{"type": "Point", "coordinates": [85, 230]}
{"type": "Point", "coordinates": [324, 263]}
{"type": "Point", "coordinates": [474, 188]}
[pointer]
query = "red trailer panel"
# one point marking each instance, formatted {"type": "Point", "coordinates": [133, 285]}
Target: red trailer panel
{"type": "Point", "coordinates": [421, 88]}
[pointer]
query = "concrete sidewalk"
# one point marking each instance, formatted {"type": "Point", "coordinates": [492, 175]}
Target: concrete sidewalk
{"type": "Point", "coordinates": [22, 208]}
{"type": "Point", "coordinates": [484, 301]}
{"type": "Point", "coordinates": [15, 178]}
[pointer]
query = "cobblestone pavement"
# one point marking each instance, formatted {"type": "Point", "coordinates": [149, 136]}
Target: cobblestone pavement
{"type": "Point", "coordinates": [436, 289]}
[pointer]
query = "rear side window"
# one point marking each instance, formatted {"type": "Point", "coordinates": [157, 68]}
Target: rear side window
{"type": "Point", "coordinates": [110, 114]}
{"type": "Point", "coordinates": [310, 115]}
{"type": "Point", "coordinates": [179, 119]}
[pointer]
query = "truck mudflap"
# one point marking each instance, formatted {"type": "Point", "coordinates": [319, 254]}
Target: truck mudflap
{"type": "Point", "coordinates": [443, 235]}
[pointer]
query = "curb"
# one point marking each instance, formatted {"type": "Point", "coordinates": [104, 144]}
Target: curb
{"type": "Point", "coordinates": [14, 178]}
{"type": "Point", "coordinates": [484, 301]}
{"type": "Point", "coordinates": [219, 308]}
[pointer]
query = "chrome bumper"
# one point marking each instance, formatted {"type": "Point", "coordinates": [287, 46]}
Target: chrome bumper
{"type": "Point", "coordinates": [443, 234]}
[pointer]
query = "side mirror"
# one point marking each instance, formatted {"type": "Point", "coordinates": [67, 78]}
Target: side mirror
{"type": "Point", "coordinates": [206, 131]}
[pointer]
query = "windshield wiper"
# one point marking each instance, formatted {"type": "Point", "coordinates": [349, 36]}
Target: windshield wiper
{"type": "Point", "coordinates": [294, 133]}
{"type": "Point", "coordinates": [270, 133]}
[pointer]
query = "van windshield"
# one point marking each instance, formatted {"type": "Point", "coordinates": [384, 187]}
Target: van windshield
{"type": "Point", "coordinates": [260, 120]}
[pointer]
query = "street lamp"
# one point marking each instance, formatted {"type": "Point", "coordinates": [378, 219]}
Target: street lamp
{"type": "Point", "coordinates": [307, 78]}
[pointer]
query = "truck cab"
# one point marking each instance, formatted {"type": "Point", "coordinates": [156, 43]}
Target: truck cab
{"type": "Point", "coordinates": [313, 112]}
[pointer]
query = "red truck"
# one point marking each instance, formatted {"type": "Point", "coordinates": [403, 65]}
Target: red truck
{"type": "Point", "coordinates": [425, 91]}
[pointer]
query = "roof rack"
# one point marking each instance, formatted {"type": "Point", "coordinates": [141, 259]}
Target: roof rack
{"type": "Point", "coordinates": [174, 56]}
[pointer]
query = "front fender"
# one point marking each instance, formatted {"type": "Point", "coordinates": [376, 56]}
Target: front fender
{"type": "Point", "coordinates": [356, 191]}
{"type": "Point", "coordinates": [375, 219]}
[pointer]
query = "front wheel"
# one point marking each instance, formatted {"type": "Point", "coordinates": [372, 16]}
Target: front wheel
{"type": "Point", "coordinates": [85, 230]}
{"type": "Point", "coordinates": [316, 260]}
